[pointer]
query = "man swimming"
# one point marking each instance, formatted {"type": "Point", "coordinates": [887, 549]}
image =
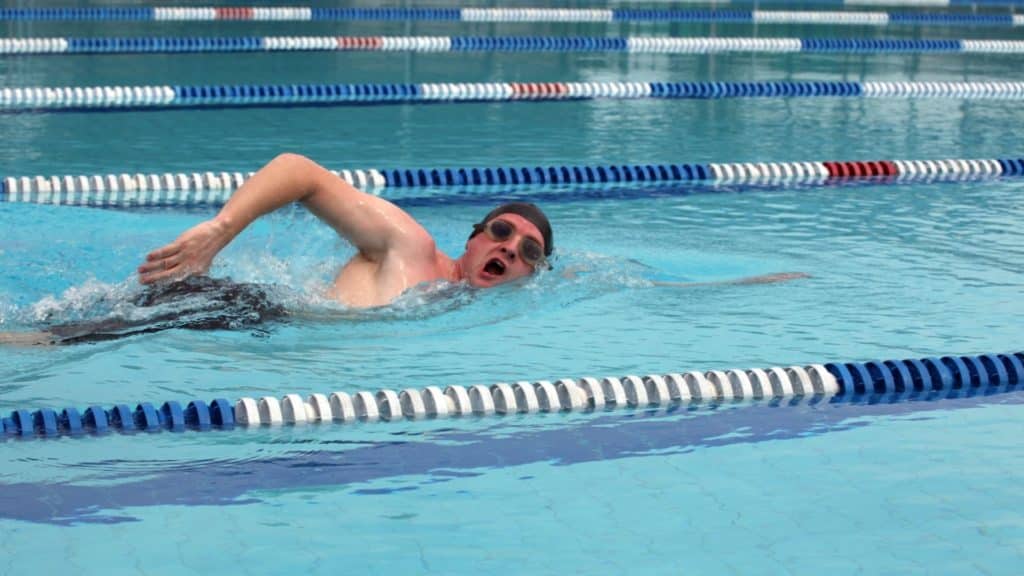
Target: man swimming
{"type": "Point", "coordinates": [394, 254]}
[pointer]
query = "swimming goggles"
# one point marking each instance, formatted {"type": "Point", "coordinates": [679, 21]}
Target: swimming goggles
{"type": "Point", "coordinates": [529, 249]}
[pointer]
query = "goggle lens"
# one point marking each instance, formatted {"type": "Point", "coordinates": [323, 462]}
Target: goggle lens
{"type": "Point", "coordinates": [529, 249]}
{"type": "Point", "coordinates": [500, 230]}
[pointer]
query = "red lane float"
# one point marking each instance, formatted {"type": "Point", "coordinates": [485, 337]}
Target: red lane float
{"type": "Point", "coordinates": [234, 13]}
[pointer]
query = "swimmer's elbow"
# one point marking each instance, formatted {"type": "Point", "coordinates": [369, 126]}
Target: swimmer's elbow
{"type": "Point", "coordinates": [290, 159]}
{"type": "Point", "coordinates": [297, 169]}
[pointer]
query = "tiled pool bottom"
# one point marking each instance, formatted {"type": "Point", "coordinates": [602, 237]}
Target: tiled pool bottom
{"type": "Point", "coordinates": [843, 488]}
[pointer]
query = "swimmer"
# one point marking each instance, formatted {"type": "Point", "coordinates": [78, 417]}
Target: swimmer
{"type": "Point", "coordinates": [395, 253]}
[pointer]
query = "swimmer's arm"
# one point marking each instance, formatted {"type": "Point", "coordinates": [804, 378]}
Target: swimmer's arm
{"type": "Point", "coordinates": [372, 224]}
{"type": "Point", "coordinates": [573, 272]}
{"type": "Point", "coordinates": [763, 279]}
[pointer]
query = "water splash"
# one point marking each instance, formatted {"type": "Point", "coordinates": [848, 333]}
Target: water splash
{"type": "Point", "coordinates": [302, 292]}
{"type": "Point", "coordinates": [89, 300]}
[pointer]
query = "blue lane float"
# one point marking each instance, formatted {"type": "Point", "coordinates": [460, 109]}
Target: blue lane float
{"type": "Point", "coordinates": [121, 98]}
{"type": "Point", "coordinates": [563, 44]}
{"type": "Point", "coordinates": [178, 190]}
{"type": "Point", "coordinates": [935, 377]}
{"type": "Point", "coordinates": [536, 15]}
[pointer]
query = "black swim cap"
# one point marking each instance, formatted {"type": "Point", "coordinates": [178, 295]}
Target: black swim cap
{"type": "Point", "coordinates": [527, 210]}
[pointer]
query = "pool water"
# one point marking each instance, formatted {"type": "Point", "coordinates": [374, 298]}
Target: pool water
{"type": "Point", "coordinates": [896, 271]}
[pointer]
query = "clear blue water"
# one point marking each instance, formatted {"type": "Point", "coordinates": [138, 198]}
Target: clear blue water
{"type": "Point", "coordinates": [897, 271]}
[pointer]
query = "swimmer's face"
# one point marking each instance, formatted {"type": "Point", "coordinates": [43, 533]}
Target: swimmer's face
{"type": "Point", "coordinates": [492, 258]}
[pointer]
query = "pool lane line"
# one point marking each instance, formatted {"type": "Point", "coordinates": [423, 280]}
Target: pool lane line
{"type": "Point", "coordinates": [525, 15]}
{"type": "Point", "coordinates": [39, 99]}
{"type": "Point", "coordinates": [890, 380]}
{"type": "Point", "coordinates": [183, 189]}
{"type": "Point", "coordinates": [562, 44]}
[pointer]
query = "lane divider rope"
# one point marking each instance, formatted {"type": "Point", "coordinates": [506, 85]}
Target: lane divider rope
{"type": "Point", "coordinates": [948, 376]}
{"type": "Point", "coordinates": [534, 15]}
{"type": "Point", "coordinates": [183, 189]}
{"type": "Point", "coordinates": [114, 98]}
{"type": "Point", "coordinates": [630, 44]}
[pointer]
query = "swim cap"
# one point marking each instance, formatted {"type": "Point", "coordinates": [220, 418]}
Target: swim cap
{"type": "Point", "coordinates": [527, 210]}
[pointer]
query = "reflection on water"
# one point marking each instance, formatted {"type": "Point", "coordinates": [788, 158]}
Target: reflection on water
{"type": "Point", "coordinates": [399, 457]}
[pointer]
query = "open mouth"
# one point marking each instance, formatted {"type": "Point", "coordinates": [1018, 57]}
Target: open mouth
{"type": "Point", "coordinates": [495, 267]}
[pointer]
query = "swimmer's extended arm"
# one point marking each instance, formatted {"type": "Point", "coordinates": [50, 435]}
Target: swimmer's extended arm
{"type": "Point", "coordinates": [764, 279]}
{"type": "Point", "coordinates": [373, 225]}
{"type": "Point", "coordinates": [572, 273]}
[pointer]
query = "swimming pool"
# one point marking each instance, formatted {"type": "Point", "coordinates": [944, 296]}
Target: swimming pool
{"type": "Point", "coordinates": [898, 270]}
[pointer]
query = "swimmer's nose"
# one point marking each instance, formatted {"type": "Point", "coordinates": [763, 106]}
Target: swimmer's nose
{"type": "Point", "coordinates": [510, 253]}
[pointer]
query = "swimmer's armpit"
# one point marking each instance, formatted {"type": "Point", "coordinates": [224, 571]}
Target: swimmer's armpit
{"type": "Point", "coordinates": [763, 279]}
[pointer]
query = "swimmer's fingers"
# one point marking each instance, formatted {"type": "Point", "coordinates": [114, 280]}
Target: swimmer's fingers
{"type": "Point", "coordinates": [172, 272]}
{"type": "Point", "coordinates": [192, 253]}
{"type": "Point", "coordinates": [167, 265]}
{"type": "Point", "coordinates": [158, 259]}
{"type": "Point", "coordinates": [151, 275]}
{"type": "Point", "coordinates": [157, 262]}
{"type": "Point", "coordinates": [165, 252]}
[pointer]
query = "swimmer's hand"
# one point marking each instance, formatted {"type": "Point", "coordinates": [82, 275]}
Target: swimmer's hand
{"type": "Point", "coordinates": [192, 253]}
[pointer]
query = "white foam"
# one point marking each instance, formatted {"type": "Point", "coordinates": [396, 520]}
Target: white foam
{"type": "Point", "coordinates": [85, 300]}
